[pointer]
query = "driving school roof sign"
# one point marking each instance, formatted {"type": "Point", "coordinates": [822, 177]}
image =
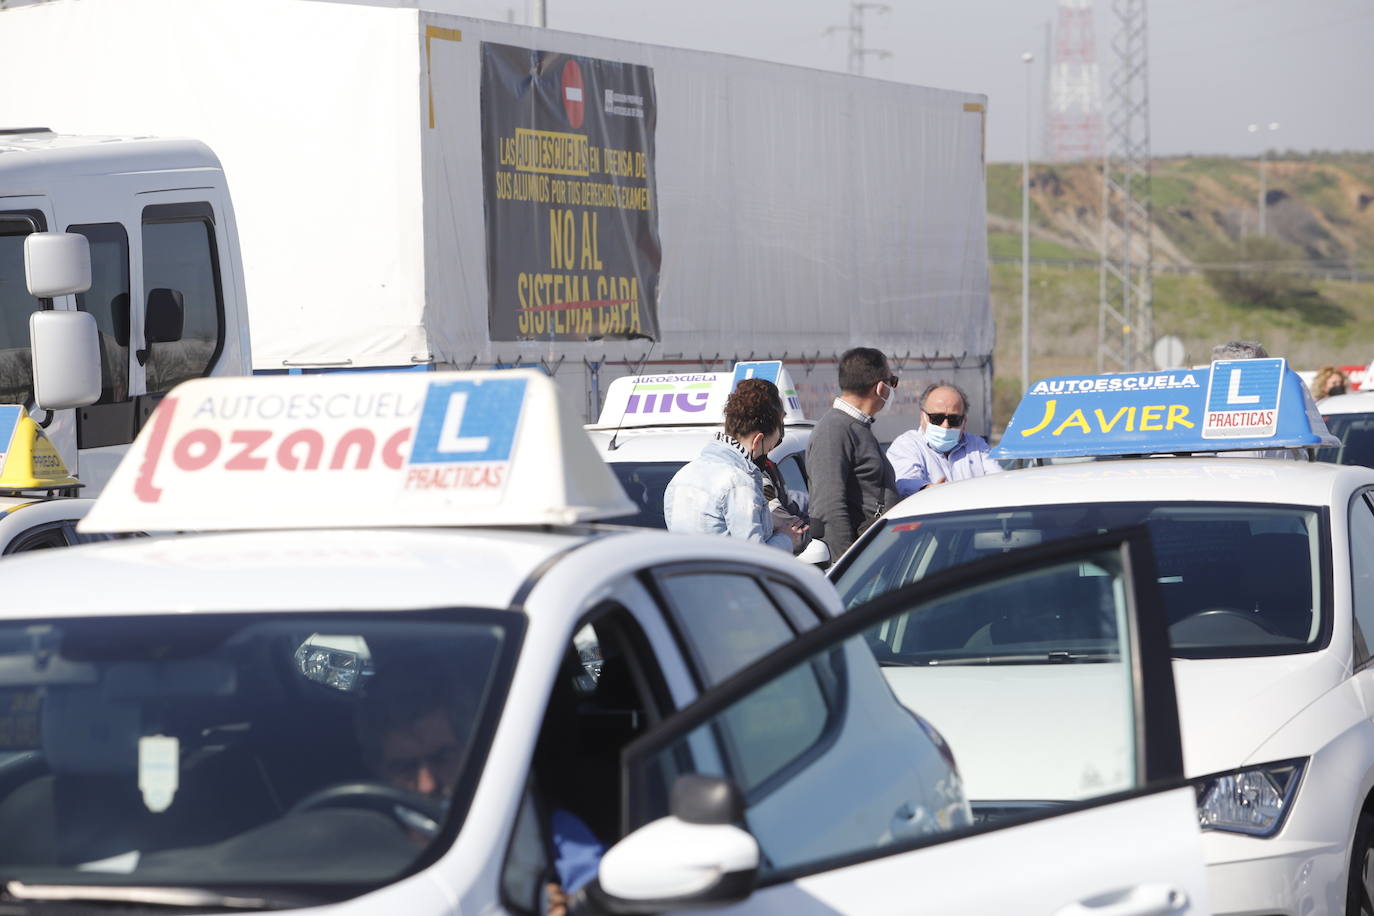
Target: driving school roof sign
{"type": "Point", "coordinates": [1231, 405]}
{"type": "Point", "coordinates": [318, 451]}
{"type": "Point", "coordinates": [682, 399]}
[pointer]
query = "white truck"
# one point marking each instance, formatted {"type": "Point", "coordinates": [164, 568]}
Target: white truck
{"type": "Point", "coordinates": [420, 189]}
{"type": "Point", "coordinates": [120, 276]}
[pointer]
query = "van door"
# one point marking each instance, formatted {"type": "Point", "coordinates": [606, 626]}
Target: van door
{"type": "Point", "coordinates": [179, 327]}
{"type": "Point", "coordinates": [855, 804]}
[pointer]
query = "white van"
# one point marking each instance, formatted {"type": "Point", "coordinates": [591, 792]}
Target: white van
{"type": "Point", "coordinates": [92, 225]}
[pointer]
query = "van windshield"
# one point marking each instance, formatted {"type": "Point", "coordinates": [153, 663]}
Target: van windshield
{"type": "Point", "coordinates": [1236, 580]}
{"type": "Point", "coordinates": [322, 752]}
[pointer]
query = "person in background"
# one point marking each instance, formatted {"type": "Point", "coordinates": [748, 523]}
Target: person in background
{"type": "Point", "coordinates": [1239, 349]}
{"type": "Point", "coordinates": [1329, 382]}
{"type": "Point", "coordinates": [721, 490]}
{"type": "Point", "coordinates": [940, 450]}
{"type": "Point", "coordinates": [851, 483]}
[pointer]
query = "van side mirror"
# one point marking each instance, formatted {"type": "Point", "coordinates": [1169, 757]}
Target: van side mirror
{"type": "Point", "coordinates": [56, 264]}
{"type": "Point", "coordinates": [66, 359]}
{"type": "Point", "coordinates": [162, 320]}
{"type": "Point", "coordinates": [695, 857]}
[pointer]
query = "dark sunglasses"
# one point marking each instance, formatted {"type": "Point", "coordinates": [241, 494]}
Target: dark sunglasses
{"type": "Point", "coordinates": [939, 419]}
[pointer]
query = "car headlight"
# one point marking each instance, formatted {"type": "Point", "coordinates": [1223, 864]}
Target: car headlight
{"type": "Point", "coordinates": [1252, 801]}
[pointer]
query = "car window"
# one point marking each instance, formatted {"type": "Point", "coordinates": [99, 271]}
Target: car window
{"type": "Point", "coordinates": [40, 537]}
{"type": "Point", "coordinates": [726, 618]}
{"type": "Point", "coordinates": [800, 611]}
{"type": "Point", "coordinates": [794, 478]}
{"type": "Point", "coordinates": [909, 750]}
{"type": "Point", "coordinates": [1356, 432]}
{"type": "Point", "coordinates": [1235, 579]}
{"type": "Point", "coordinates": [1362, 574]}
{"type": "Point", "coordinates": [180, 255]}
{"type": "Point", "coordinates": [183, 750]}
{"type": "Point", "coordinates": [644, 482]}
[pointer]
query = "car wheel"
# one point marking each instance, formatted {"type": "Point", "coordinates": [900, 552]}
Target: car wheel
{"type": "Point", "coordinates": [1359, 895]}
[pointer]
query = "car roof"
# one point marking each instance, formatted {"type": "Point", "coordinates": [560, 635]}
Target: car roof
{"type": "Point", "coordinates": [1262, 480]}
{"type": "Point", "coordinates": [680, 443]}
{"type": "Point", "coordinates": [291, 570]}
{"type": "Point", "coordinates": [1358, 402]}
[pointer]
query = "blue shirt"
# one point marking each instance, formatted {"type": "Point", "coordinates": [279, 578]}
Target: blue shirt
{"type": "Point", "coordinates": [916, 464]}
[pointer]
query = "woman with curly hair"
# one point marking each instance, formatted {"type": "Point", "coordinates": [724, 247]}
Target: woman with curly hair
{"type": "Point", "coordinates": [1330, 381]}
{"type": "Point", "coordinates": [721, 490]}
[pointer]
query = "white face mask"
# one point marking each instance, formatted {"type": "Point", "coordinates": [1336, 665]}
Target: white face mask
{"type": "Point", "coordinates": [941, 438]}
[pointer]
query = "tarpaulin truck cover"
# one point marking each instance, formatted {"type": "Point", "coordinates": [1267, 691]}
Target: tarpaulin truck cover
{"type": "Point", "coordinates": [415, 188]}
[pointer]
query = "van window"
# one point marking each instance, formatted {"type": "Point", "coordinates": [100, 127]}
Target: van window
{"type": "Point", "coordinates": [108, 301]}
{"type": "Point", "coordinates": [179, 253]}
{"type": "Point", "coordinates": [16, 364]}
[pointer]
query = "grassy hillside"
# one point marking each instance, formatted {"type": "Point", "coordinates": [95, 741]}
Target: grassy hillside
{"type": "Point", "coordinates": [1320, 217]}
{"type": "Point", "coordinates": [1322, 206]}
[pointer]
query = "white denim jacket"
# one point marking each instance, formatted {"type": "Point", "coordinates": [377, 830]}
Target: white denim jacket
{"type": "Point", "coordinates": [721, 492]}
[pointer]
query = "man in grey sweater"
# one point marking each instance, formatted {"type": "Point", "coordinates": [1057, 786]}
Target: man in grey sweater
{"type": "Point", "coordinates": [851, 482]}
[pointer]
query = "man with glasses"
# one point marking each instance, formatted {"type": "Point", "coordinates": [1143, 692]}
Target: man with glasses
{"type": "Point", "coordinates": [940, 450]}
{"type": "Point", "coordinates": [850, 482]}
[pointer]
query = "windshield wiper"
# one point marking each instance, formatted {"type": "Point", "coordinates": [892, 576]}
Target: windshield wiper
{"type": "Point", "coordinates": [1024, 658]}
{"type": "Point", "coordinates": [153, 896]}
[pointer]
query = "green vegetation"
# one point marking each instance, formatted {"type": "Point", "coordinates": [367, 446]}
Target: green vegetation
{"type": "Point", "coordinates": [1008, 245]}
{"type": "Point", "coordinates": [1064, 324]}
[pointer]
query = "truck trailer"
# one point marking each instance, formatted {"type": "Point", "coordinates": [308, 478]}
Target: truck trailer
{"type": "Point", "coordinates": [417, 190]}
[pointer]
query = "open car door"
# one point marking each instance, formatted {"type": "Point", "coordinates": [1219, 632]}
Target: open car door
{"type": "Point", "coordinates": [803, 785]}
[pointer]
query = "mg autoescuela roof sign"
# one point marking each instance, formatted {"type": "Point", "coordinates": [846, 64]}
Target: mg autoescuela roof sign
{"type": "Point", "coordinates": [1233, 405]}
{"type": "Point", "coordinates": [683, 399]}
{"type": "Point", "coordinates": [375, 450]}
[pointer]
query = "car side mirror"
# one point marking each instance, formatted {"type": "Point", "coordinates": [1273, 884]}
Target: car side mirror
{"type": "Point", "coordinates": [815, 553]}
{"type": "Point", "coordinates": [56, 264]}
{"type": "Point", "coordinates": [695, 857]}
{"type": "Point", "coordinates": [162, 320]}
{"type": "Point", "coordinates": [66, 359]}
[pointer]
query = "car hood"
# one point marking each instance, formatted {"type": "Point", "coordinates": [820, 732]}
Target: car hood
{"type": "Point", "coordinates": [1059, 732]}
{"type": "Point", "coordinates": [1228, 707]}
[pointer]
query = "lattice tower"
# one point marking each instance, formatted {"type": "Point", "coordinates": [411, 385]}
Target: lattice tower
{"type": "Point", "coordinates": [1126, 285]}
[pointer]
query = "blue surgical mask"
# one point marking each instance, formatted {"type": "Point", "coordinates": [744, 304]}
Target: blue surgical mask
{"type": "Point", "coordinates": [941, 438]}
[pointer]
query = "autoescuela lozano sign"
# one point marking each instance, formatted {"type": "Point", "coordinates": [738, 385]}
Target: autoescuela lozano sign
{"type": "Point", "coordinates": [568, 174]}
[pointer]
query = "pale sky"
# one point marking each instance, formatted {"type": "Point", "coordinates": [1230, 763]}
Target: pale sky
{"type": "Point", "coordinates": [1215, 66]}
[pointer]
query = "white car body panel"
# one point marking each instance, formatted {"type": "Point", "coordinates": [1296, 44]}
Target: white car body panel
{"type": "Point", "coordinates": [999, 873]}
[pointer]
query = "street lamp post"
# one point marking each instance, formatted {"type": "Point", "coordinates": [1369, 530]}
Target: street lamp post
{"type": "Point", "coordinates": [1264, 178]}
{"type": "Point", "coordinates": [1026, 59]}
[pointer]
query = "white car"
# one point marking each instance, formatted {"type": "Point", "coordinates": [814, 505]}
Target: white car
{"type": "Point", "coordinates": [37, 508]}
{"type": "Point", "coordinates": [1265, 569]}
{"type": "Point", "coordinates": [380, 696]}
{"type": "Point", "coordinates": [1350, 417]}
{"type": "Point", "coordinates": [651, 425]}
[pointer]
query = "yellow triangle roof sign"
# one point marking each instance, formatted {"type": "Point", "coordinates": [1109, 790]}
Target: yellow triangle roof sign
{"type": "Point", "coordinates": [30, 461]}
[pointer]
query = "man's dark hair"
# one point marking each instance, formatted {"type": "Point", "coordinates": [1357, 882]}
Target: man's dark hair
{"type": "Point", "coordinates": [963, 398]}
{"type": "Point", "coordinates": [861, 368]}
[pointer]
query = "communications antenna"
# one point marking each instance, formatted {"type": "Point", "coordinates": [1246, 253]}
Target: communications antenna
{"type": "Point", "coordinates": [1075, 100]}
{"type": "Point", "coordinates": [1125, 330]}
{"type": "Point", "coordinates": [858, 51]}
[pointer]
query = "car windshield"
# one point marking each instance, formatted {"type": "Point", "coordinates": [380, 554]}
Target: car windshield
{"type": "Point", "coordinates": [1236, 580]}
{"type": "Point", "coordinates": [326, 753]}
{"type": "Point", "coordinates": [644, 482]}
{"type": "Point", "coordinates": [1356, 432]}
